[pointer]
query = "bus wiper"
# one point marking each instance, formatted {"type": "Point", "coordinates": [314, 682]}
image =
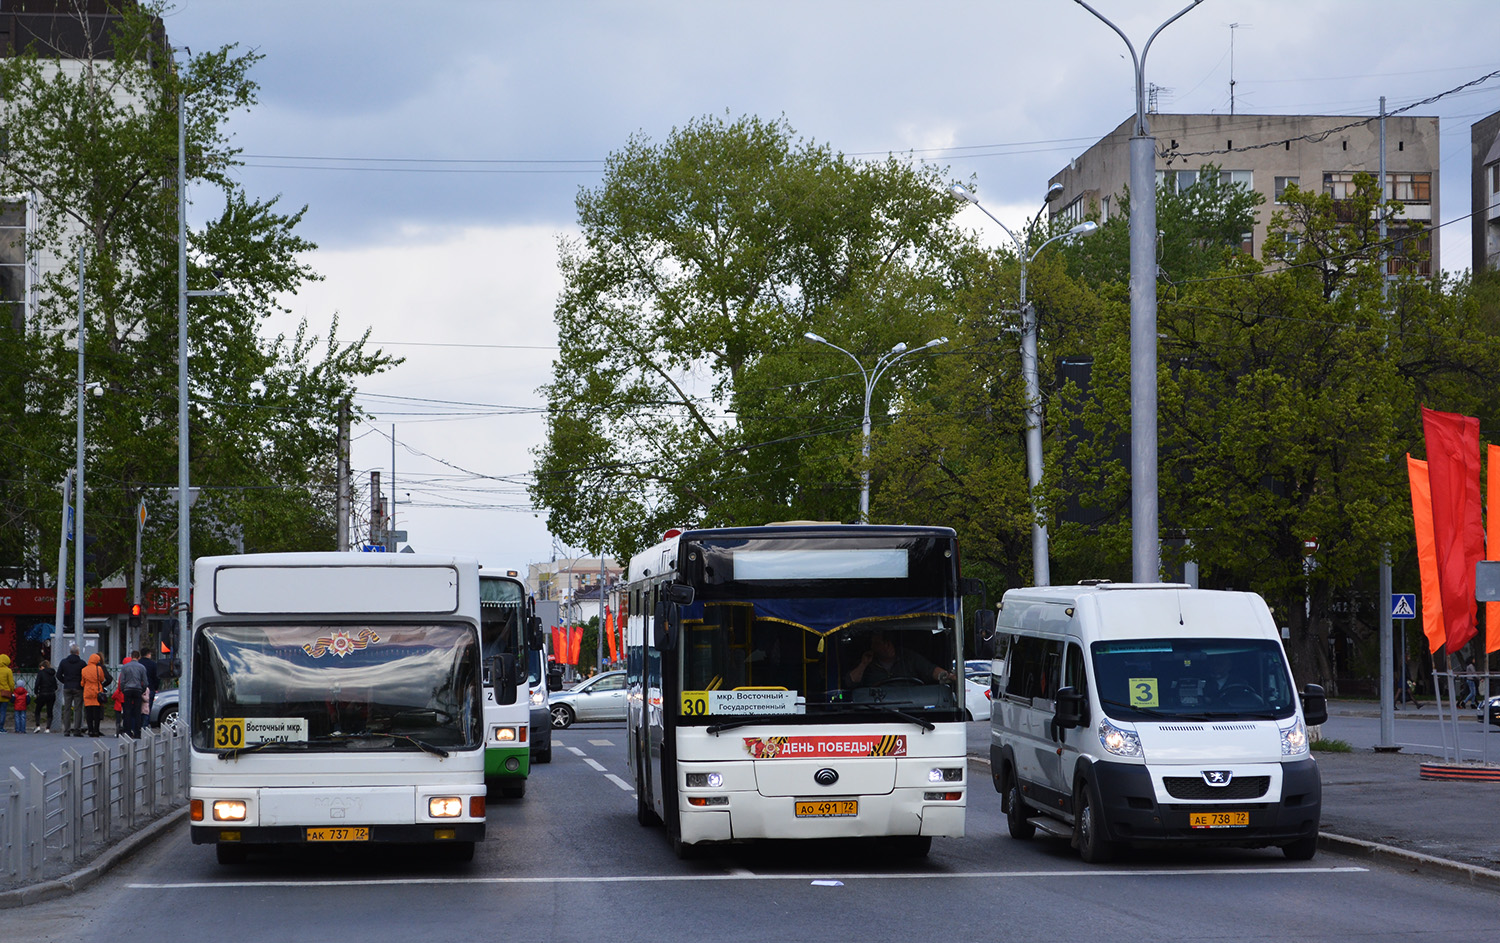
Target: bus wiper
{"type": "Point", "coordinates": [1252, 715]}
{"type": "Point", "coordinates": [890, 712]}
{"type": "Point", "coordinates": [731, 724]}
{"type": "Point", "coordinates": [237, 752]}
{"type": "Point", "coordinates": [368, 735]}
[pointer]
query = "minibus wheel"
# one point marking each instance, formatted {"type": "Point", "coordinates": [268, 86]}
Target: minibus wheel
{"type": "Point", "coordinates": [1092, 845]}
{"type": "Point", "coordinates": [1016, 818]}
{"type": "Point", "coordinates": [230, 852]}
{"type": "Point", "coordinates": [1302, 849]}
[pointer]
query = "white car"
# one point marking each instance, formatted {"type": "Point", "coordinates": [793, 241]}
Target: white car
{"type": "Point", "coordinates": [977, 695]}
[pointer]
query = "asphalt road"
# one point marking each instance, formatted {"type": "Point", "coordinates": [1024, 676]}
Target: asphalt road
{"type": "Point", "coordinates": [569, 862]}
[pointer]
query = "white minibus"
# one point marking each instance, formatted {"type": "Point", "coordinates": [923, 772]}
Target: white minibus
{"type": "Point", "coordinates": [1151, 713]}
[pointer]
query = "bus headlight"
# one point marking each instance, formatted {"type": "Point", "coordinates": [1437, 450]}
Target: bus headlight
{"type": "Point", "coordinates": [505, 734]}
{"type": "Point", "coordinates": [1294, 739]}
{"type": "Point", "coordinates": [945, 775]}
{"type": "Point", "coordinates": [538, 697]}
{"type": "Point", "coordinates": [229, 810]}
{"type": "Point", "coordinates": [712, 780]}
{"type": "Point", "coordinates": [445, 807]}
{"type": "Point", "coordinates": [1118, 740]}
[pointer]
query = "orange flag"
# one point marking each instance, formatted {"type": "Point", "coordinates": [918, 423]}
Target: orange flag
{"type": "Point", "coordinates": [609, 631]}
{"type": "Point", "coordinates": [1432, 595]}
{"type": "Point", "coordinates": [1492, 501]}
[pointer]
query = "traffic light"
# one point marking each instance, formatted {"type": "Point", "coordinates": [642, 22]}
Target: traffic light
{"type": "Point", "coordinates": [135, 615]}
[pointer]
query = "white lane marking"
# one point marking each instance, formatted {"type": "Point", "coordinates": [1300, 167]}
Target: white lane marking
{"type": "Point", "coordinates": [598, 766]}
{"type": "Point", "coordinates": [619, 782]}
{"type": "Point", "coordinates": [601, 743]}
{"type": "Point", "coordinates": [678, 878]}
{"type": "Point", "coordinates": [575, 751]}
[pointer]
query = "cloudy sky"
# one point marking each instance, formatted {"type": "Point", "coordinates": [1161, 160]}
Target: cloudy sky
{"type": "Point", "coordinates": [439, 147]}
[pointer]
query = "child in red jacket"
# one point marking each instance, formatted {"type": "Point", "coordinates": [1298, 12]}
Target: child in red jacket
{"type": "Point", "coordinates": [18, 701]}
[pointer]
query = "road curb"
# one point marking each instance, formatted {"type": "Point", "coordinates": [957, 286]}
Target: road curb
{"type": "Point", "coordinates": [91, 872]}
{"type": "Point", "coordinates": [1415, 860]}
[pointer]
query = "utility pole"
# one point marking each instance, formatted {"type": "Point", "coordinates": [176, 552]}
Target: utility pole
{"type": "Point", "coordinates": [62, 568]}
{"type": "Point", "coordinates": [377, 526]}
{"type": "Point", "coordinates": [1387, 742]}
{"type": "Point", "coordinates": [343, 478]}
{"type": "Point", "coordinates": [78, 474]}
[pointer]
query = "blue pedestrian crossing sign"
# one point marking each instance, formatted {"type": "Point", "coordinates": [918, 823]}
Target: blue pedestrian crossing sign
{"type": "Point", "coordinates": [1403, 605]}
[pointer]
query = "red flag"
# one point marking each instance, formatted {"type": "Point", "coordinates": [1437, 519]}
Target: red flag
{"type": "Point", "coordinates": [1492, 609]}
{"type": "Point", "coordinates": [575, 647]}
{"type": "Point", "coordinates": [609, 631]}
{"type": "Point", "coordinates": [1432, 594]}
{"type": "Point", "coordinates": [1457, 530]}
{"type": "Point", "coordinates": [559, 645]}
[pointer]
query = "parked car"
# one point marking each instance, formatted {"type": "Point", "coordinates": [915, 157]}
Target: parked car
{"type": "Point", "coordinates": [164, 708]}
{"type": "Point", "coordinates": [1490, 710]}
{"type": "Point", "coordinates": [601, 697]}
{"type": "Point", "coordinates": [977, 694]}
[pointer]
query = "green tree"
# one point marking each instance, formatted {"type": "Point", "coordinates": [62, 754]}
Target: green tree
{"type": "Point", "coordinates": [94, 139]}
{"type": "Point", "coordinates": [685, 392]}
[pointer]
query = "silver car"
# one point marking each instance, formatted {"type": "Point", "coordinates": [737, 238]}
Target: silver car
{"type": "Point", "coordinates": [601, 697]}
{"type": "Point", "coordinates": [164, 708]}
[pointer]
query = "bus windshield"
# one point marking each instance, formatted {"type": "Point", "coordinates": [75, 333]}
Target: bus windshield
{"type": "Point", "coordinates": [1193, 678]}
{"type": "Point", "coordinates": [788, 626]}
{"type": "Point", "coordinates": [336, 686]}
{"type": "Point", "coordinates": [500, 629]}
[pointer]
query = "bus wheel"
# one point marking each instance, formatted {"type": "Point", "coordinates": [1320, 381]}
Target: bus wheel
{"type": "Point", "coordinates": [1092, 846]}
{"type": "Point", "coordinates": [230, 852]}
{"type": "Point", "coordinates": [909, 846]}
{"type": "Point", "coordinates": [459, 852]}
{"type": "Point", "coordinates": [544, 755]}
{"type": "Point", "coordinates": [643, 813]}
{"type": "Point", "coordinates": [513, 788]}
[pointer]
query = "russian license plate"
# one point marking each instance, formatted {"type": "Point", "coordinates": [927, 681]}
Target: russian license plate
{"type": "Point", "coordinates": [818, 808]}
{"type": "Point", "coordinates": [1219, 819]}
{"type": "Point", "coordinates": [338, 834]}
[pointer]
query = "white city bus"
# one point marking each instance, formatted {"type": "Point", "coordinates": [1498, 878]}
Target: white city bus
{"type": "Point", "coordinates": [753, 711]}
{"type": "Point", "coordinates": [508, 627]}
{"type": "Point", "coordinates": [335, 698]}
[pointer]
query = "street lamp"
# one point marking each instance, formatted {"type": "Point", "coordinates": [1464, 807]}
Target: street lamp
{"type": "Point", "coordinates": [1144, 539]}
{"type": "Point", "coordinates": [1040, 565]}
{"type": "Point", "coordinates": [871, 376]}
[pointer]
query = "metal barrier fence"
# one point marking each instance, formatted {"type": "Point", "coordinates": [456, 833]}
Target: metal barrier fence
{"type": "Point", "coordinates": [50, 820]}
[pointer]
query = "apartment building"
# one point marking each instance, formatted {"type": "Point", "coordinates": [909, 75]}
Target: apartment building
{"type": "Point", "coordinates": [1484, 155]}
{"type": "Point", "coordinates": [1268, 153]}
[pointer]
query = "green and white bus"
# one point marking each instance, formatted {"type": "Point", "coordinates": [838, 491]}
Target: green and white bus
{"type": "Point", "coordinates": [507, 627]}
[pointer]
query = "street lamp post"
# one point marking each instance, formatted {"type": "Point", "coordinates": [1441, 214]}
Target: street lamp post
{"type": "Point", "coordinates": [872, 376]}
{"type": "Point", "coordinates": [1144, 538]}
{"type": "Point", "coordinates": [1040, 562]}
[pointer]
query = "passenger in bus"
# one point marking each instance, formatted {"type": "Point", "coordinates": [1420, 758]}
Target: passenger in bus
{"type": "Point", "coordinates": [884, 661]}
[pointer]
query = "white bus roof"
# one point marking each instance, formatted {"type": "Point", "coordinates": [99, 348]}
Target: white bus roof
{"type": "Point", "coordinates": [378, 585]}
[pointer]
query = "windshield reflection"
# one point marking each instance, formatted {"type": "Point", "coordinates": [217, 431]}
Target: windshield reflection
{"type": "Point", "coordinates": [315, 684]}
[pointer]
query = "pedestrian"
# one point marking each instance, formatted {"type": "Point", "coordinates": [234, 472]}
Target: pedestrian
{"type": "Point", "coordinates": [70, 676]}
{"type": "Point", "coordinates": [96, 678]}
{"type": "Point", "coordinates": [45, 694]}
{"type": "Point", "coordinates": [18, 701]}
{"type": "Point", "coordinates": [131, 691]}
{"type": "Point", "coordinates": [153, 680]}
{"type": "Point", "coordinates": [7, 687]}
{"type": "Point", "coordinates": [1471, 687]}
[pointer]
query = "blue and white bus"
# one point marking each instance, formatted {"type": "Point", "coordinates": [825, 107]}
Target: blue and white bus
{"type": "Point", "coordinates": [797, 681]}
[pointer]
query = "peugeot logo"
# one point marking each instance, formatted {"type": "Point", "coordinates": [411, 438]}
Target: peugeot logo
{"type": "Point", "coordinates": [826, 777]}
{"type": "Point", "coordinates": [1217, 777]}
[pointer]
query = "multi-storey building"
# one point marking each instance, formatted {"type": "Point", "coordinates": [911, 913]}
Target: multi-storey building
{"type": "Point", "coordinates": [1268, 153]}
{"type": "Point", "coordinates": [1484, 155]}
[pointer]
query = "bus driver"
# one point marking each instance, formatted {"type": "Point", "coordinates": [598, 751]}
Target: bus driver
{"type": "Point", "coordinates": [884, 661]}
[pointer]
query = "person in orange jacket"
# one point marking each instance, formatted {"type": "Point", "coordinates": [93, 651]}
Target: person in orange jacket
{"type": "Point", "coordinates": [95, 679]}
